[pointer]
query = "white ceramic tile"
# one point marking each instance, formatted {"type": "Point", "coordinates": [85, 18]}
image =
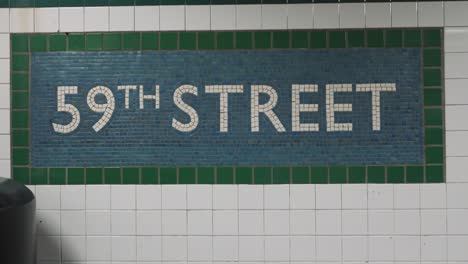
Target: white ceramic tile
{"type": "Point", "coordinates": [146, 18]}
{"type": "Point", "coordinates": [251, 222]}
{"type": "Point", "coordinates": [251, 248]}
{"type": "Point", "coordinates": [430, 14]}
{"type": "Point", "coordinates": [174, 248]}
{"type": "Point", "coordinates": [96, 18]}
{"type": "Point", "coordinates": [406, 196]}
{"type": "Point", "coordinates": [200, 248]}
{"type": "Point", "coordinates": [354, 196]}
{"type": "Point", "coordinates": [250, 196]}
{"type": "Point", "coordinates": [4, 71]}
{"type": "Point", "coordinates": [73, 223]}
{"type": "Point", "coordinates": [172, 17]}
{"type": "Point", "coordinates": [197, 17]}
{"type": "Point", "coordinates": [456, 221]}
{"type": "Point", "coordinates": [48, 248]}
{"type": "Point", "coordinates": [455, 116]}
{"type": "Point", "coordinates": [274, 16]}
{"type": "Point", "coordinates": [149, 222]}
{"type": "Point", "coordinates": [302, 196]}
{"type": "Point", "coordinates": [456, 166]}
{"type": "Point", "coordinates": [98, 223]}
{"type": "Point", "coordinates": [433, 196]}
{"type": "Point", "coordinates": [456, 145]}
{"type": "Point", "coordinates": [302, 222]}
{"type": "Point", "coordinates": [277, 248]}
{"type": "Point", "coordinates": [4, 131]}
{"type": "Point", "coordinates": [354, 222]}
{"type": "Point", "coordinates": [46, 19]}
{"type": "Point", "coordinates": [380, 196]}
{"type": "Point", "coordinates": [124, 248]}
{"type": "Point", "coordinates": [200, 222]}
{"type": "Point", "coordinates": [4, 143]}
{"type": "Point", "coordinates": [328, 196]}
{"type": "Point", "coordinates": [456, 39]}
{"type": "Point", "coordinates": [407, 222]}
{"type": "Point", "coordinates": [455, 13]}
{"type": "Point", "coordinates": [381, 248]}
{"type": "Point", "coordinates": [71, 19]}
{"type": "Point", "coordinates": [377, 15]}
{"type": "Point", "coordinates": [123, 197]}
{"type": "Point", "coordinates": [223, 17]}
{"type": "Point", "coordinates": [98, 248]}
{"type": "Point", "coordinates": [225, 248]}
{"type": "Point", "coordinates": [122, 18]}
{"type": "Point", "coordinates": [381, 222]}
{"type": "Point", "coordinates": [225, 197]}
{"type": "Point", "coordinates": [352, 15]}
{"type": "Point", "coordinates": [328, 222]}
{"type": "Point", "coordinates": [149, 248]}
{"type": "Point", "coordinates": [457, 248]}
{"type": "Point", "coordinates": [456, 91]}
{"type": "Point", "coordinates": [354, 248]}
{"type": "Point", "coordinates": [22, 20]}
{"type": "Point", "coordinates": [302, 248]}
{"type": "Point", "coordinates": [148, 197]}
{"type": "Point", "coordinates": [47, 197]}
{"type": "Point", "coordinates": [248, 17]}
{"type": "Point", "coordinates": [276, 222]}
{"type": "Point", "coordinates": [276, 196]}
{"type": "Point", "coordinates": [300, 16]}
{"type": "Point", "coordinates": [328, 248]}
{"type": "Point", "coordinates": [5, 95]}
{"type": "Point", "coordinates": [48, 222]}
{"type": "Point", "coordinates": [326, 16]}
{"type": "Point", "coordinates": [407, 248]}
{"type": "Point", "coordinates": [404, 14]}
{"type": "Point", "coordinates": [73, 248]}
{"type": "Point", "coordinates": [457, 196]}
{"type": "Point", "coordinates": [174, 197]}
{"type": "Point", "coordinates": [73, 197]}
{"type": "Point", "coordinates": [225, 222]}
{"type": "Point", "coordinates": [5, 167]}
{"type": "Point", "coordinates": [123, 223]}
{"type": "Point", "coordinates": [199, 196]}
{"type": "Point", "coordinates": [98, 197]}
{"type": "Point", "coordinates": [4, 20]}
{"type": "Point", "coordinates": [174, 222]}
{"type": "Point", "coordinates": [455, 65]}
{"type": "Point", "coordinates": [433, 248]}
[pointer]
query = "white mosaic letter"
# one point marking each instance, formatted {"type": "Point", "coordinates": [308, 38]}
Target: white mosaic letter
{"type": "Point", "coordinates": [63, 107]}
{"type": "Point", "coordinates": [297, 107]}
{"type": "Point", "coordinates": [264, 108]}
{"type": "Point", "coordinates": [154, 97]}
{"type": "Point", "coordinates": [127, 89]}
{"type": "Point", "coordinates": [332, 107]}
{"type": "Point", "coordinates": [375, 89]}
{"type": "Point", "coordinates": [186, 108]}
{"type": "Point", "coordinates": [106, 108]}
{"type": "Point", "coordinates": [223, 91]}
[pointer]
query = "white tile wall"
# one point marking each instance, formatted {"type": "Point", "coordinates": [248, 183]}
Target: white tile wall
{"type": "Point", "coordinates": [197, 17]}
{"type": "Point", "coordinates": [46, 19]}
{"type": "Point", "coordinates": [96, 18]}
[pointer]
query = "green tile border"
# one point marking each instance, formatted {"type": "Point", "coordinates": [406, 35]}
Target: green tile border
{"type": "Point", "coordinates": [430, 40]}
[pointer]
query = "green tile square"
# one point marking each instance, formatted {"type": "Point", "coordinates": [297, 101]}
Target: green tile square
{"type": "Point", "coordinates": [57, 176]}
{"type": "Point", "coordinates": [20, 62]}
{"type": "Point", "coordinates": [188, 40]}
{"type": "Point", "coordinates": [38, 43]}
{"type": "Point", "coordinates": [281, 175]}
{"type": "Point", "coordinates": [433, 116]}
{"type": "Point", "coordinates": [57, 42]}
{"type": "Point", "coordinates": [149, 175]}
{"type": "Point", "coordinates": [21, 174]}
{"type": "Point", "coordinates": [394, 38]}
{"type": "Point", "coordinates": [224, 175]}
{"type": "Point", "coordinates": [223, 2]}
{"type": "Point", "coordinates": [434, 136]}
{"type": "Point", "coordinates": [337, 174]}
{"type": "Point", "coordinates": [432, 58]}
{"type": "Point", "coordinates": [93, 176]}
{"type": "Point", "coordinates": [20, 119]}
{"type": "Point", "coordinates": [243, 40]}
{"type": "Point", "coordinates": [432, 97]}
{"type": "Point", "coordinates": [434, 155]}
{"type": "Point", "coordinates": [94, 41]}
{"type": "Point", "coordinates": [206, 175]}
{"type": "Point", "coordinates": [47, 3]}
{"type": "Point", "coordinates": [206, 40]}
{"type": "Point", "coordinates": [187, 175]}
{"type": "Point", "coordinates": [131, 41]}
{"type": "Point", "coordinates": [146, 2]}
{"type": "Point", "coordinates": [244, 175]}
{"type": "Point", "coordinates": [395, 174]}
{"type": "Point", "coordinates": [21, 3]}
{"type": "Point", "coordinates": [20, 156]}
{"type": "Point", "coordinates": [167, 175]}
{"type": "Point", "coordinates": [96, 2]}
{"type": "Point", "coordinates": [225, 40]}
{"type": "Point", "coordinates": [131, 175]}
{"type": "Point", "coordinates": [5, 3]}
{"type": "Point", "coordinates": [299, 40]}
{"type": "Point", "coordinates": [280, 39]}
{"type": "Point", "coordinates": [20, 100]}
{"type": "Point", "coordinates": [76, 42]}
{"type": "Point", "coordinates": [432, 77]}
{"type": "Point", "coordinates": [172, 2]}
{"type": "Point", "coordinates": [19, 43]}
{"type": "Point", "coordinates": [198, 2]}
{"type": "Point", "coordinates": [319, 175]}
{"type": "Point", "coordinates": [337, 39]}
{"type": "Point", "coordinates": [121, 2]}
{"type": "Point", "coordinates": [39, 176]}
{"type": "Point", "coordinates": [434, 174]}
{"type": "Point", "coordinates": [75, 176]}
{"type": "Point", "coordinates": [20, 81]}
{"type": "Point", "coordinates": [112, 176]}
{"type": "Point", "coordinates": [262, 175]}
{"type": "Point", "coordinates": [432, 37]}
{"type": "Point", "coordinates": [149, 41]}
{"type": "Point", "coordinates": [20, 138]}
{"type": "Point", "coordinates": [168, 40]}
{"type": "Point", "coordinates": [356, 39]}
{"type": "Point", "coordinates": [112, 41]}
{"type": "Point", "coordinates": [376, 174]}
{"type": "Point", "coordinates": [262, 39]}
{"type": "Point", "coordinates": [413, 38]}
{"type": "Point", "coordinates": [300, 175]}
{"type": "Point", "coordinates": [415, 174]}
{"type": "Point", "coordinates": [375, 38]}
{"type": "Point", "coordinates": [357, 174]}
{"type": "Point", "coordinates": [248, 2]}
{"type": "Point", "coordinates": [71, 3]}
{"type": "Point", "coordinates": [318, 39]}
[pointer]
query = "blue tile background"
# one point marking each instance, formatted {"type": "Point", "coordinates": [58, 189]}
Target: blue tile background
{"type": "Point", "coordinates": [137, 137]}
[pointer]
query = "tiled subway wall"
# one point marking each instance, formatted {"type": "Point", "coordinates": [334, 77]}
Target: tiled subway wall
{"type": "Point", "coordinates": [298, 223]}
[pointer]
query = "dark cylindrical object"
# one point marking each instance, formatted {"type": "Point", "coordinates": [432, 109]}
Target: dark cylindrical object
{"type": "Point", "coordinates": [17, 224]}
